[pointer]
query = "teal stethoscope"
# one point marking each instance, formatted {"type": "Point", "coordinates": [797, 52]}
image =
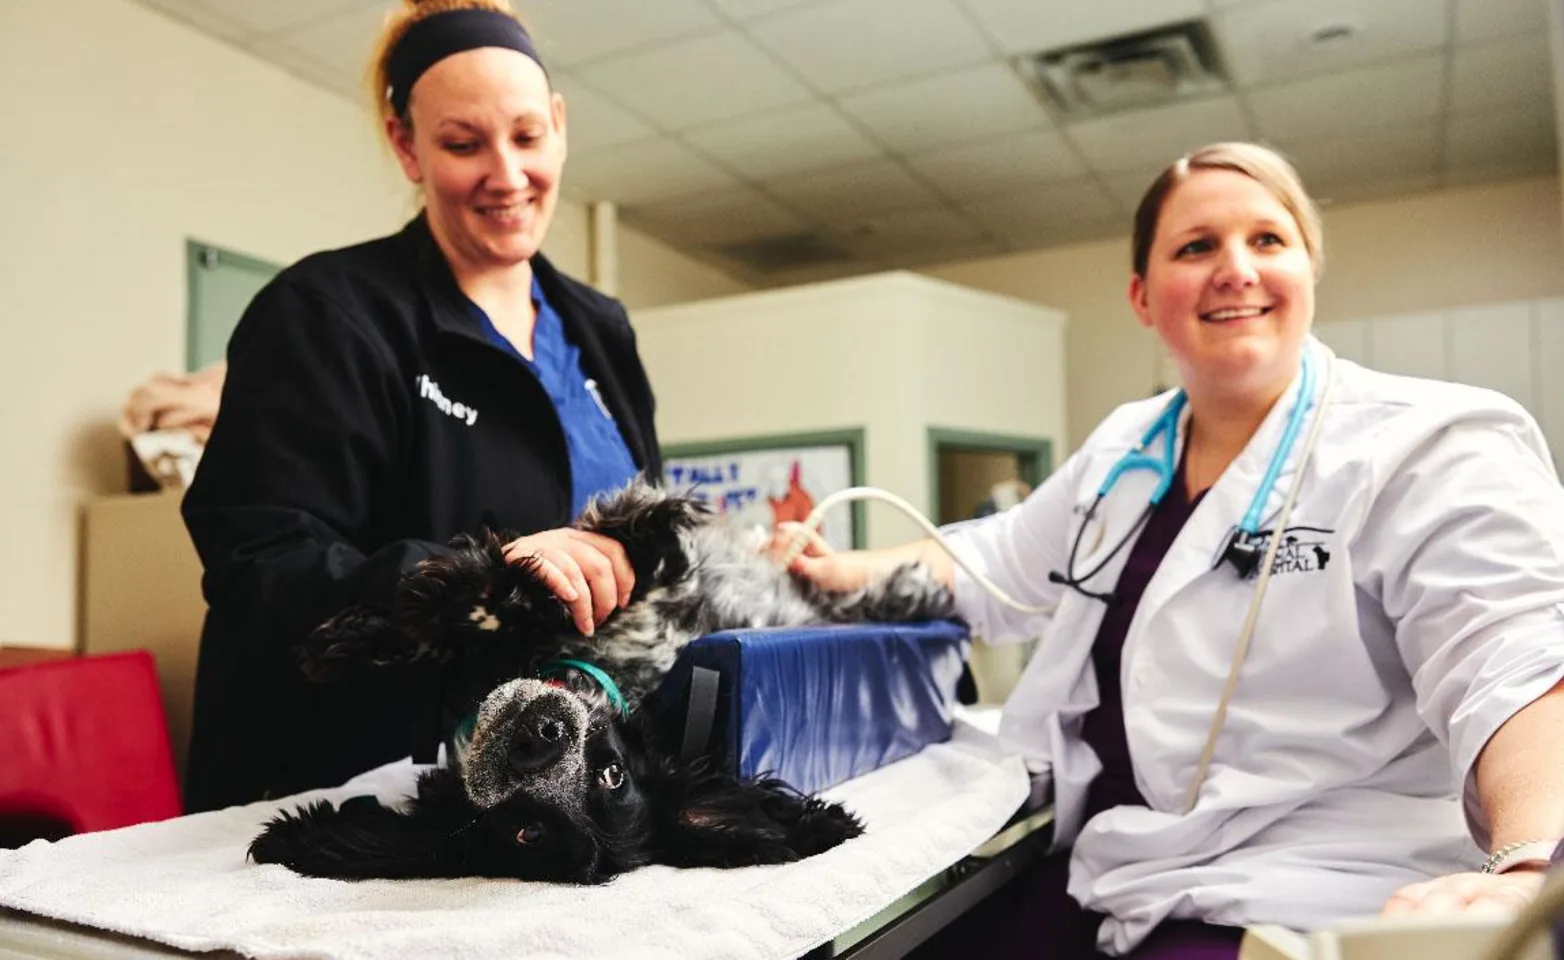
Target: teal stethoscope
{"type": "Point", "coordinates": [1245, 547]}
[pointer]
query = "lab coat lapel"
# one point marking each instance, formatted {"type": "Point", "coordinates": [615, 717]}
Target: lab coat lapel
{"type": "Point", "coordinates": [1323, 360]}
{"type": "Point", "coordinates": [1198, 548]}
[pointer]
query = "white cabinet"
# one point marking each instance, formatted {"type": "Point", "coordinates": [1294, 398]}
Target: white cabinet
{"type": "Point", "coordinates": [894, 355]}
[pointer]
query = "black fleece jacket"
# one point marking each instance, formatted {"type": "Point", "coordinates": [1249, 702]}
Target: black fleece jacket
{"type": "Point", "coordinates": [365, 420]}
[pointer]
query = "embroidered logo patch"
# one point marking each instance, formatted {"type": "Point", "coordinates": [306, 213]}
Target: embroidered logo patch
{"type": "Point", "coordinates": [1303, 550]}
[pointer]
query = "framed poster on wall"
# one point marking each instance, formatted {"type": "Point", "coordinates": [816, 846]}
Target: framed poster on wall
{"type": "Point", "coordinates": [768, 480]}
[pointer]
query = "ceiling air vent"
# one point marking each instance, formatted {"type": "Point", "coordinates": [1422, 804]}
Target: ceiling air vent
{"type": "Point", "coordinates": [1177, 62]}
{"type": "Point", "coordinates": [772, 254]}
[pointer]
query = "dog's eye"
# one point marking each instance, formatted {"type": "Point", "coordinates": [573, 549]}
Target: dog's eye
{"type": "Point", "coordinates": [612, 776]}
{"type": "Point", "coordinates": [531, 833]}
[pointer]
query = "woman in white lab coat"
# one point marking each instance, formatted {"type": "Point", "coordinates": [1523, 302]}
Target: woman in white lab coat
{"type": "Point", "coordinates": [1397, 720]}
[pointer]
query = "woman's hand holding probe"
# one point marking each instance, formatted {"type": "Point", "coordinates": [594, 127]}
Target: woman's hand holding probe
{"type": "Point", "coordinates": [849, 570]}
{"type": "Point", "coordinates": [588, 572]}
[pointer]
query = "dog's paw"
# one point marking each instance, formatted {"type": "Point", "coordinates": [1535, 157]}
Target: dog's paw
{"type": "Point", "coordinates": [287, 838]}
{"type": "Point", "coordinates": [824, 826]}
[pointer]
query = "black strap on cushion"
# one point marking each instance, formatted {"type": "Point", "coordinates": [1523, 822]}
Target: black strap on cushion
{"type": "Point", "coordinates": [702, 713]}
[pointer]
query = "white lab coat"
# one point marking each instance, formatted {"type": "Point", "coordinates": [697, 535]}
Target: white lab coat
{"type": "Point", "coordinates": [1373, 680]}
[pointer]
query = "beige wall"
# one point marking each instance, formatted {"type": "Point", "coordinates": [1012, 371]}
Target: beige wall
{"type": "Point", "coordinates": [127, 133]}
{"type": "Point", "coordinates": [1446, 249]}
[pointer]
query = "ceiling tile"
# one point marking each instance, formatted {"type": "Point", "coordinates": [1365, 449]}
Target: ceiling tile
{"type": "Point", "coordinates": [934, 112]}
{"type": "Point", "coordinates": [593, 120]}
{"type": "Point", "coordinates": [937, 254]}
{"type": "Point", "coordinates": [1484, 19]}
{"type": "Point", "coordinates": [1035, 25]}
{"type": "Point", "coordinates": [275, 16]}
{"type": "Point", "coordinates": [906, 231]}
{"type": "Point", "coordinates": [339, 44]}
{"type": "Point", "coordinates": [1268, 40]}
{"type": "Point", "coordinates": [1403, 91]}
{"type": "Point", "coordinates": [999, 165]}
{"type": "Point", "coordinates": [791, 140]}
{"type": "Point", "coordinates": [215, 22]}
{"type": "Point", "coordinates": [572, 32]}
{"type": "Point", "coordinates": [849, 44]}
{"type": "Point", "coordinates": [1512, 169]}
{"type": "Point", "coordinates": [1373, 188]}
{"type": "Point", "coordinates": [851, 191]}
{"type": "Point", "coordinates": [1522, 136]}
{"type": "Point", "coordinates": [1129, 187]}
{"type": "Point", "coordinates": [1058, 233]}
{"type": "Point", "coordinates": [1033, 216]}
{"type": "Point", "coordinates": [644, 172]}
{"type": "Point", "coordinates": [701, 79]}
{"type": "Point", "coordinates": [750, 9]}
{"type": "Point", "coordinates": [1328, 164]}
{"type": "Point", "coordinates": [1501, 73]}
{"type": "Point", "coordinates": [716, 218]}
{"type": "Point", "coordinates": [1129, 141]}
{"type": "Point", "coordinates": [819, 273]}
{"type": "Point", "coordinates": [335, 77]}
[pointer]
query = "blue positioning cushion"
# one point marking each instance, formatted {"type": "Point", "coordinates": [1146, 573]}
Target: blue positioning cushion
{"type": "Point", "coordinates": [816, 706]}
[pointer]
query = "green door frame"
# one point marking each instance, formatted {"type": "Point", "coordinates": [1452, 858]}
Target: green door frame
{"type": "Point", "coordinates": [1035, 455]}
{"type": "Point", "coordinates": [201, 257]}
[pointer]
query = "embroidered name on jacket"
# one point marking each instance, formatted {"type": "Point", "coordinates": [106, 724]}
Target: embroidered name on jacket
{"type": "Point", "coordinates": [430, 391]}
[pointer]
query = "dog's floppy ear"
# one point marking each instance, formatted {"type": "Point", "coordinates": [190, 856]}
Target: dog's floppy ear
{"type": "Point", "coordinates": [471, 593]}
{"type": "Point", "coordinates": [359, 840]}
{"type": "Point", "coordinates": [355, 637]}
{"type": "Point", "coordinates": [708, 818]}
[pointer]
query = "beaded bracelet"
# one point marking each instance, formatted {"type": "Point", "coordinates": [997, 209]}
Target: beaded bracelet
{"type": "Point", "coordinates": [1514, 854]}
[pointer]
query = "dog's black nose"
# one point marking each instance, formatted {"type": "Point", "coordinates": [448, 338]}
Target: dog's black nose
{"type": "Point", "coordinates": [536, 745]}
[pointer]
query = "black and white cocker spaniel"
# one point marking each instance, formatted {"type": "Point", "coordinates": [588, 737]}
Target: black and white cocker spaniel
{"type": "Point", "coordinates": [560, 774]}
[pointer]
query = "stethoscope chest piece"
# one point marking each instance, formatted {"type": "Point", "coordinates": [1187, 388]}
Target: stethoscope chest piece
{"type": "Point", "coordinates": [1244, 551]}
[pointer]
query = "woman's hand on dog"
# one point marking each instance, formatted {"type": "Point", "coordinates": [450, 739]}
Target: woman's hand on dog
{"type": "Point", "coordinates": [588, 572]}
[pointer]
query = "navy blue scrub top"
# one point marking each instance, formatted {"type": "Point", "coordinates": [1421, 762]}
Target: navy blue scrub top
{"type": "Point", "coordinates": [599, 459]}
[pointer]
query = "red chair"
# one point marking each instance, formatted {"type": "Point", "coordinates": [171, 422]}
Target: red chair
{"type": "Point", "coordinates": [83, 746]}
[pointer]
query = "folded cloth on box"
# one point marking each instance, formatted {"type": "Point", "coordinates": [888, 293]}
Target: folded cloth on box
{"type": "Point", "coordinates": [186, 882]}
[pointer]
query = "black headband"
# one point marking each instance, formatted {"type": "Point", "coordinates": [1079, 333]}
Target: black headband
{"type": "Point", "coordinates": [432, 39]}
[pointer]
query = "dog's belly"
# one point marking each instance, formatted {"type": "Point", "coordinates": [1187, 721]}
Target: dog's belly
{"type": "Point", "coordinates": [637, 646]}
{"type": "Point", "coordinates": [725, 588]}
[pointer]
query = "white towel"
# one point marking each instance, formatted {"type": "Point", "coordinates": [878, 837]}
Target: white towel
{"type": "Point", "coordinates": [187, 883]}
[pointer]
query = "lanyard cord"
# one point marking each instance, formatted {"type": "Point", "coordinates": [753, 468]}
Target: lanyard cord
{"type": "Point", "coordinates": [1242, 650]}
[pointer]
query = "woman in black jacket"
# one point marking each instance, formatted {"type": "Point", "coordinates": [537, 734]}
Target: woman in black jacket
{"type": "Point", "coordinates": [382, 398]}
